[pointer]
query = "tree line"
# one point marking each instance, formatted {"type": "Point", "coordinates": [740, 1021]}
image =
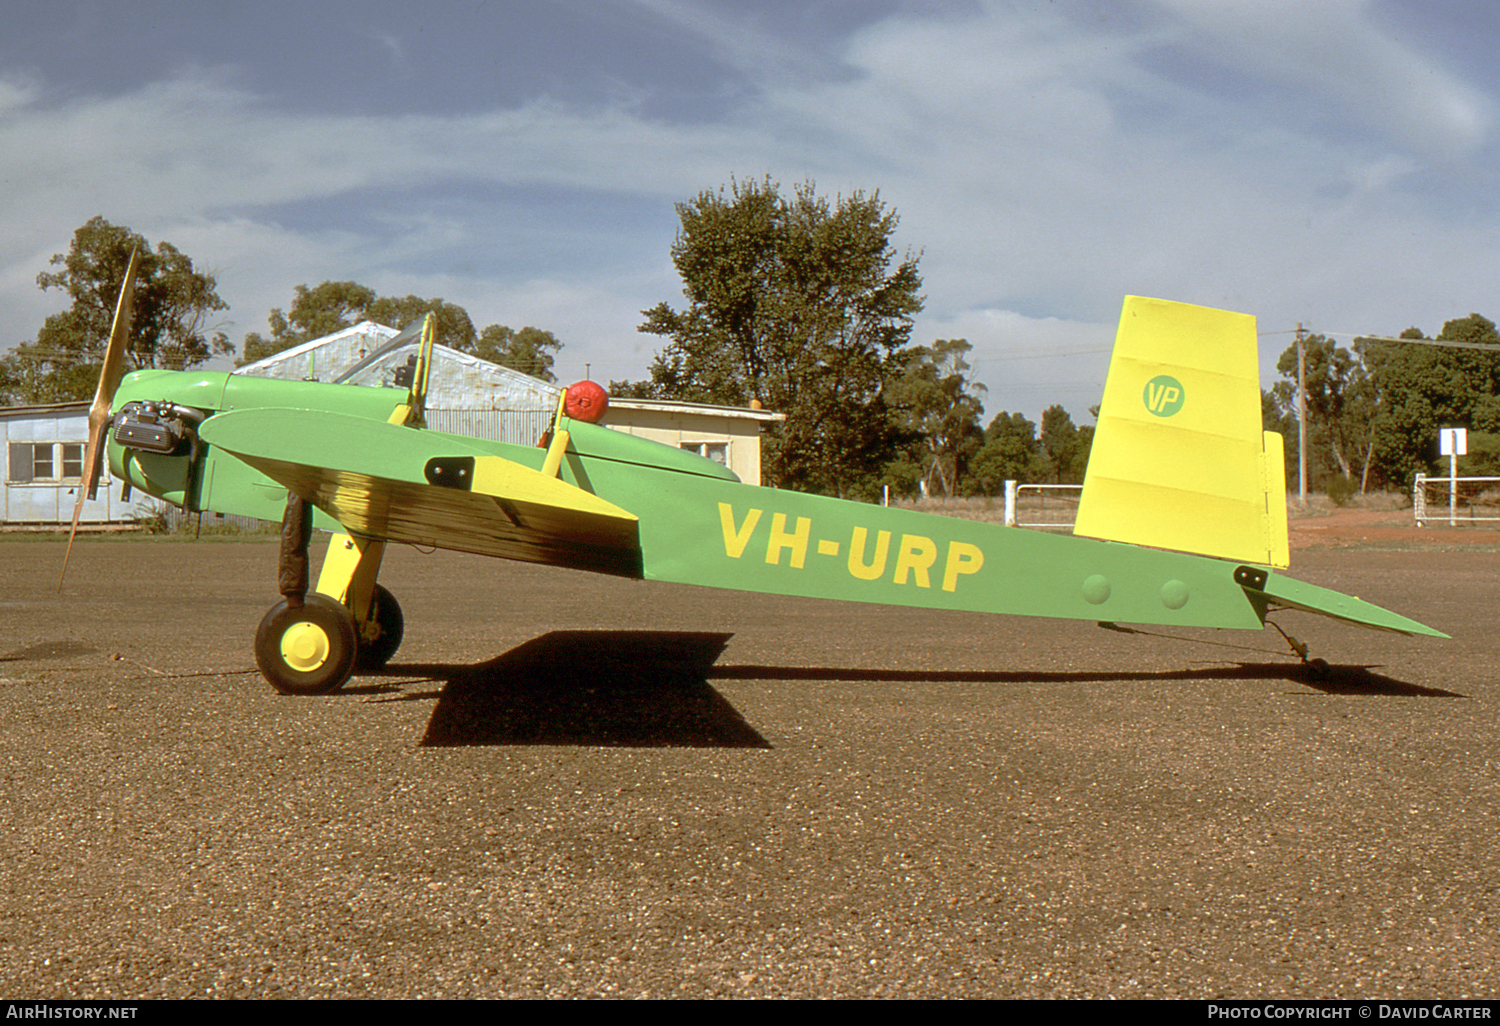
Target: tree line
{"type": "Point", "coordinates": [796, 302]}
{"type": "Point", "coordinates": [174, 303]}
{"type": "Point", "coordinates": [801, 304]}
{"type": "Point", "coordinates": [1374, 408]}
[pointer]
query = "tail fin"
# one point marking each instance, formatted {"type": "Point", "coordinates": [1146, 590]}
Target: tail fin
{"type": "Point", "coordinates": [1179, 460]}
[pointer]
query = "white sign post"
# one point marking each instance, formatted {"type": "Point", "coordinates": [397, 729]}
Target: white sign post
{"type": "Point", "coordinates": [1453, 443]}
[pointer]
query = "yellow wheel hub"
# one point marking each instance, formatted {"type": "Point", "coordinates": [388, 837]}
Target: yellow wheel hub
{"type": "Point", "coordinates": [305, 647]}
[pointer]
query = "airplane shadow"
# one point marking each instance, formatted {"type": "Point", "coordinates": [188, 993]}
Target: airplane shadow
{"type": "Point", "coordinates": [606, 688]}
{"type": "Point", "coordinates": [650, 689]}
{"type": "Point", "coordinates": [1333, 680]}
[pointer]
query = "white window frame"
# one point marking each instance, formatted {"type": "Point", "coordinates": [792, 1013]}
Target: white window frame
{"type": "Point", "coordinates": [22, 467]}
{"type": "Point", "coordinates": [714, 449]}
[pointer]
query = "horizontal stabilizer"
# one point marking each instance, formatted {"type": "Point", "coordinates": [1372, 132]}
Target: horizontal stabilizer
{"type": "Point", "coordinates": [1289, 593]}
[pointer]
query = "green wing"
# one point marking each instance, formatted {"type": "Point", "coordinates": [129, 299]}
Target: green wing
{"type": "Point", "coordinates": [428, 488]}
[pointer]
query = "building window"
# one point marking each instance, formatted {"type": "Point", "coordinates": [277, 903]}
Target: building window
{"type": "Point", "coordinates": [716, 451]}
{"type": "Point", "coordinates": [72, 461]}
{"type": "Point", "coordinates": [41, 462]}
{"type": "Point", "coordinates": [45, 463]}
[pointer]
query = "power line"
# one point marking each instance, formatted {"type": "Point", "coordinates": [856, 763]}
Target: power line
{"type": "Point", "coordinates": [1358, 338]}
{"type": "Point", "coordinates": [1442, 343]}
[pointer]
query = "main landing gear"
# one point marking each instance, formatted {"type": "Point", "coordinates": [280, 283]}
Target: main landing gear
{"type": "Point", "coordinates": [308, 649]}
{"type": "Point", "coordinates": [310, 643]}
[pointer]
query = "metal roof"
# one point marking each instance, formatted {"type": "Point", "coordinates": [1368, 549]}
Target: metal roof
{"type": "Point", "coordinates": [43, 409]}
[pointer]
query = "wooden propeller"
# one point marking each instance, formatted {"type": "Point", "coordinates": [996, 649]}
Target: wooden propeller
{"type": "Point", "coordinates": [99, 413]}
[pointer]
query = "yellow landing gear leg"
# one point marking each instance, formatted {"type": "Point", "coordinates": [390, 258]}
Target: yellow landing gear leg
{"type": "Point", "coordinates": [348, 577]}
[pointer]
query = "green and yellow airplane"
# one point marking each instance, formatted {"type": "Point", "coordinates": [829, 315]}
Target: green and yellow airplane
{"type": "Point", "coordinates": [1182, 521]}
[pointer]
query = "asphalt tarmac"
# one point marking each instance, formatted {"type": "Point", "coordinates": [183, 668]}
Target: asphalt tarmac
{"type": "Point", "coordinates": [570, 786]}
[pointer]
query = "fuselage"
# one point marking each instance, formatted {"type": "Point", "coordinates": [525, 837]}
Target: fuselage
{"type": "Point", "coordinates": [700, 525]}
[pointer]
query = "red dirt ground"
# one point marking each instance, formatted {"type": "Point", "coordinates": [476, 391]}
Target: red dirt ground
{"type": "Point", "coordinates": [1387, 528]}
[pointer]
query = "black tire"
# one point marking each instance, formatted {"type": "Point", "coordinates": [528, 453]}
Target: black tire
{"type": "Point", "coordinates": [386, 612]}
{"type": "Point", "coordinates": [307, 651]}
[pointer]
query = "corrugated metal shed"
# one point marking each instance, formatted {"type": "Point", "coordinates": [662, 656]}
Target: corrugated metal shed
{"type": "Point", "coordinates": [465, 395]}
{"type": "Point", "coordinates": [324, 358]}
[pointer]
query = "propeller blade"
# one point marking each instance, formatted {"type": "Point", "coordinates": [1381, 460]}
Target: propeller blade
{"type": "Point", "coordinates": [110, 374]}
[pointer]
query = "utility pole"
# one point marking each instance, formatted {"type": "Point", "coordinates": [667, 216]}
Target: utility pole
{"type": "Point", "coordinates": [1301, 420]}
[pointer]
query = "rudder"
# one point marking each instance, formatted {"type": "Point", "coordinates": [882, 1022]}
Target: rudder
{"type": "Point", "coordinates": [1179, 460]}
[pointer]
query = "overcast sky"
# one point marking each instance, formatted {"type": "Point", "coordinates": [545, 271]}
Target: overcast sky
{"type": "Point", "coordinates": [1329, 162]}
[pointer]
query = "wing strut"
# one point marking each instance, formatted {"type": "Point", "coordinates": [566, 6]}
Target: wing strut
{"type": "Point", "coordinates": [412, 413]}
{"type": "Point", "coordinates": [552, 465]}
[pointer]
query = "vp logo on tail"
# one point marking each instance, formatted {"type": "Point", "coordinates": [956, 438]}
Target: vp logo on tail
{"type": "Point", "coordinates": [1163, 395]}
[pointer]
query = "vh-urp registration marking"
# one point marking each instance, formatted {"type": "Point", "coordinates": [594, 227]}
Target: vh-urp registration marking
{"type": "Point", "coordinates": [915, 554]}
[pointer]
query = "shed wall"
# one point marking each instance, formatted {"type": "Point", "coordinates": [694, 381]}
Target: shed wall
{"type": "Point", "coordinates": [32, 499]}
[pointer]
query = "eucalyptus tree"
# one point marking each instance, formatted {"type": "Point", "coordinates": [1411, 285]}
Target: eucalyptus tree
{"type": "Point", "coordinates": [173, 306]}
{"type": "Point", "coordinates": [802, 305]}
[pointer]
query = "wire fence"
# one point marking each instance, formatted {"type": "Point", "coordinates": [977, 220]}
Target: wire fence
{"type": "Point", "coordinates": [1455, 500]}
{"type": "Point", "coordinates": [1051, 507]}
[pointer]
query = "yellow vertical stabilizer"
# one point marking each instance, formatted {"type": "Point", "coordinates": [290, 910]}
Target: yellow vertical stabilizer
{"type": "Point", "coordinates": [1179, 460]}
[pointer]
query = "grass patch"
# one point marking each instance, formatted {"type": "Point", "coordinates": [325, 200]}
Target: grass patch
{"type": "Point", "coordinates": [186, 531]}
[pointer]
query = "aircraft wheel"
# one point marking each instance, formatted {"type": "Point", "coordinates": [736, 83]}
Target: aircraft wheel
{"type": "Point", "coordinates": [307, 651]}
{"type": "Point", "coordinates": [376, 652]}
